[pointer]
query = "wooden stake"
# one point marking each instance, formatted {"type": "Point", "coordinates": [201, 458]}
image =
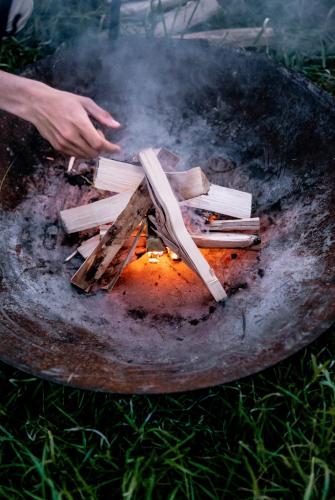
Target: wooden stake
{"type": "Point", "coordinates": [171, 224]}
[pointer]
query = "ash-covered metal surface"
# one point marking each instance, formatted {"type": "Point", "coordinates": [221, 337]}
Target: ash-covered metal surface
{"type": "Point", "coordinates": [252, 126]}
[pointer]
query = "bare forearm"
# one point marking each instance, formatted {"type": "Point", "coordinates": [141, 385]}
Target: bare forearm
{"type": "Point", "coordinates": [61, 117]}
{"type": "Point", "coordinates": [17, 94]}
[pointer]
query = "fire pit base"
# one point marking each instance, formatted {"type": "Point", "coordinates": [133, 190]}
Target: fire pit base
{"type": "Point", "coordinates": [252, 126]}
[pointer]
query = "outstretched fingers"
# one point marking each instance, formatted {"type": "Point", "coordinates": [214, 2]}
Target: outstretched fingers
{"type": "Point", "coordinates": [100, 114]}
{"type": "Point", "coordinates": [96, 140]}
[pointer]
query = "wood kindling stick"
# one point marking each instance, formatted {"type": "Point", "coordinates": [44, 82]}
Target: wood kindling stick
{"type": "Point", "coordinates": [88, 246]}
{"type": "Point", "coordinates": [94, 214]}
{"type": "Point", "coordinates": [202, 240]}
{"type": "Point", "coordinates": [70, 164]}
{"type": "Point", "coordinates": [168, 159]}
{"type": "Point", "coordinates": [97, 263]}
{"type": "Point", "coordinates": [224, 201]}
{"type": "Point", "coordinates": [171, 224]}
{"type": "Point", "coordinates": [225, 240]}
{"type": "Point", "coordinates": [116, 176]}
{"type": "Point", "coordinates": [251, 224]}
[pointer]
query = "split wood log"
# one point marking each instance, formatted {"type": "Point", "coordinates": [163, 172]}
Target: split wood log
{"type": "Point", "coordinates": [97, 263]}
{"type": "Point", "coordinates": [103, 229]}
{"type": "Point", "coordinates": [128, 243]}
{"type": "Point", "coordinates": [183, 18]}
{"type": "Point", "coordinates": [168, 159]}
{"type": "Point", "coordinates": [202, 240]}
{"type": "Point", "coordinates": [116, 176]}
{"type": "Point", "coordinates": [88, 246]}
{"type": "Point", "coordinates": [224, 201]}
{"type": "Point", "coordinates": [116, 271]}
{"type": "Point", "coordinates": [171, 225]}
{"type": "Point", "coordinates": [225, 240]}
{"type": "Point", "coordinates": [94, 214]}
{"type": "Point", "coordinates": [185, 184]}
{"type": "Point", "coordinates": [251, 224]}
{"type": "Point", "coordinates": [236, 37]}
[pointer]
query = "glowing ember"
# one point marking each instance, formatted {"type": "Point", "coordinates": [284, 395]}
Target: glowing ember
{"type": "Point", "coordinates": [154, 257]}
{"type": "Point", "coordinates": [172, 254]}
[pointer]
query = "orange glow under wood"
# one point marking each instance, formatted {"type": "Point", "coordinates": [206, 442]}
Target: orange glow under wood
{"type": "Point", "coordinates": [154, 257]}
{"type": "Point", "coordinates": [173, 287]}
{"type": "Point", "coordinates": [173, 255]}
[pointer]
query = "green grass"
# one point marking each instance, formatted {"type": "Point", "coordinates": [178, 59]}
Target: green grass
{"type": "Point", "coordinates": [270, 436]}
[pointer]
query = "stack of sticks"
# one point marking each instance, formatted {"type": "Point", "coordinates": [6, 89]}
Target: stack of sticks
{"type": "Point", "coordinates": [148, 212]}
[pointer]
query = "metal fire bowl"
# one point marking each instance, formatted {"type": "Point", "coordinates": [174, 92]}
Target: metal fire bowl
{"type": "Point", "coordinates": [252, 125]}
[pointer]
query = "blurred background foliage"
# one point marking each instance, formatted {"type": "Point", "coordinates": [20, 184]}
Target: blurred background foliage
{"type": "Point", "coordinates": [304, 30]}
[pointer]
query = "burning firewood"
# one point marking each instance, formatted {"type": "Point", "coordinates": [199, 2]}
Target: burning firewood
{"type": "Point", "coordinates": [148, 197]}
{"type": "Point", "coordinates": [202, 240]}
{"type": "Point", "coordinates": [88, 246]}
{"type": "Point", "coordinates": [171, 225]}
{"type": "Point", "coordinates": [117, 177]}
{"type": "Point", "coordinates": [250, 225]}
{"type": "Point", "coordinates": [114, 272]}
{"type": "Point", "coordinates": [98, 262]}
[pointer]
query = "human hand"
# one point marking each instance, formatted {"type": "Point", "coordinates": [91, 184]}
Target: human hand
{"type": "Point", "coordinates": [63, 120]}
